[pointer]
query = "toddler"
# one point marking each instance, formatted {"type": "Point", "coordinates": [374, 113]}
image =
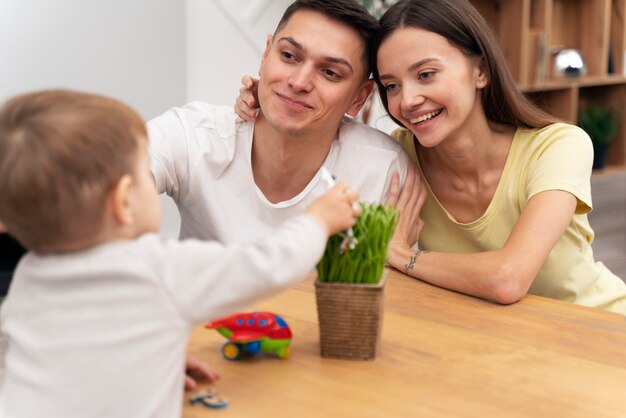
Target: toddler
{"type": "Point", "coordinates": [100, 309]}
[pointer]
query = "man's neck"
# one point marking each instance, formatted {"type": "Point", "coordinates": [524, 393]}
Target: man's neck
{"type": "Point", "coordinates": [283, 165]}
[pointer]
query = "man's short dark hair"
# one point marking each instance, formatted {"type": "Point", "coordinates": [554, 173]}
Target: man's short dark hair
{"type": "Point", "coordinates": [348, 12]}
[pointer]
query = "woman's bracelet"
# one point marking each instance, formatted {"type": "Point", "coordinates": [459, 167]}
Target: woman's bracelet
{"type": "Point", "coordinates": [409, 266]}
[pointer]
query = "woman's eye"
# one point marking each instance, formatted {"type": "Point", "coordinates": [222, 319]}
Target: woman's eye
{"type": "Point", "coordinates": [426, 75]}
{"type": "Point", "coordinates": [391, 87]}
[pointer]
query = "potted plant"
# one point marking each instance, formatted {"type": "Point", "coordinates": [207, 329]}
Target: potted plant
{"type": "Point", "coordinates": [601, 124]}
{"type": "Point", "coordinates": [350, 287]}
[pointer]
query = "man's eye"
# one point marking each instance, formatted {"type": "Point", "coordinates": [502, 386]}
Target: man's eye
{"type": "Point", "coordinates": [331, 74]}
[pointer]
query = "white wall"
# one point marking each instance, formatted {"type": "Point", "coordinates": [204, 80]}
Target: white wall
{"type": "Point", "coordinates": [129, 49]}
{"type": "Point", "coordinates": [133, 50]}
{"type": "Point", "coordinates": [225, 41]}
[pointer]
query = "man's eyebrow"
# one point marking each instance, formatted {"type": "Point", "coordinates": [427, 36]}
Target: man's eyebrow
{"type": "Point", "coordinates": [293, 42]}
{"type": "Point", "coordinates": [299, 46]}
{"type": "Point", "coordinates": [412, 67]}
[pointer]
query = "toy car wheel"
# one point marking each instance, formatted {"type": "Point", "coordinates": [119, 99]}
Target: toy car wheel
{"type": "Point", "coordinates": [231, 351]}
{"type": "Point", "coordinates": [253, 347]}
{"type": "Point", "coordinates": [284, 353]}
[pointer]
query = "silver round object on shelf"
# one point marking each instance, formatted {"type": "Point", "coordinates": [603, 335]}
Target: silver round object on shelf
{"type": "Point", "coordinates": [569, 63]}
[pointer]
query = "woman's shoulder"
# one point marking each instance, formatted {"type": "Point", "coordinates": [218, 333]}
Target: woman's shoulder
{"type": "Point", "coordinates": [402, 135]}
{"type": "Point", "coordinates": [559, 129]}
{"type": "Point", "coordinates": [556, 134]}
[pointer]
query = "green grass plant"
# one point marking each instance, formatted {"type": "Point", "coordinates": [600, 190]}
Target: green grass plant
{"type": "Point", "coordinates": [364, 264]}
{"type": "Point", "coordinates": [601, 124]}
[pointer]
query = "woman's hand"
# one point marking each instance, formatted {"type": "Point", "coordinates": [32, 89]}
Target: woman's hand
{"type": "Point", "coordinates": [408, 202]}
{"type": "Point", "coordinates": [247, 104]}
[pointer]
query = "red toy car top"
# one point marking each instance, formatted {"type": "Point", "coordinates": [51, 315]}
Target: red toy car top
{"type": "Point", "coordinates": [253, 332]}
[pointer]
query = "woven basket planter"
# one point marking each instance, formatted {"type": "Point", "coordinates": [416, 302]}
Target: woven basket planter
{"type": "Point", "coordinates": [350, 318]}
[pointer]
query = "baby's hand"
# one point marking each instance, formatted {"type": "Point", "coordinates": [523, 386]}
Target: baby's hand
{"type": "Point", "coordinates": [197, 370]}
{"type": "Point", "coordinates": [337, 209]}
{"type": "Point", "coordinates": [246, 104]}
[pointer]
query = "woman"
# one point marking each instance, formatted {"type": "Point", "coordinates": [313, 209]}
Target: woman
{"type": "Point", "coordinates": [508, 186]}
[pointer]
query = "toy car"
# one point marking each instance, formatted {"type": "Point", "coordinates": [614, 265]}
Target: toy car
{"type": "Point", "coordinates": [253, 333]}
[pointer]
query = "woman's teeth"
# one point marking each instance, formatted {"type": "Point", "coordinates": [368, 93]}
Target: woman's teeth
{"type": "Point", "coordinates": [426, 117]}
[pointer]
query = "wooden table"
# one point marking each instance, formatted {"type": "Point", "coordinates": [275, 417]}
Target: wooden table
{"type": "Point", "coordinates": [442, 354]}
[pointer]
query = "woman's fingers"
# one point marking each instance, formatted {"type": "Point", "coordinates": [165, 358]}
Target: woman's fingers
{"type": "Point", "coordinates": [395, 189]}
{"type": "Point", "coordinates": [407, 188]}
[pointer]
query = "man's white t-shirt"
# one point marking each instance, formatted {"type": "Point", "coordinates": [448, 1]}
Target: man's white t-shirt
{"type": "Point", "coordinates": [201, 157]}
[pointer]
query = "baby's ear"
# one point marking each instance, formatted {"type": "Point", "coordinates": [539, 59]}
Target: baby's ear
{"type": "Point", "coordinates": [119, 201]}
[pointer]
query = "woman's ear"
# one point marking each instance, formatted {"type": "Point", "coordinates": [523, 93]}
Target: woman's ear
{"type": "Point", "coordinates": [482, 74]}
{"type": "Point", "coordinates": [119, 200]}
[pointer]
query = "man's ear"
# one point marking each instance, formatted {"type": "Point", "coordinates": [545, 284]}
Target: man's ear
{"type": "Point", "coordinates": [364, 92]}
{"type": "Point", "coordinates": [119, 201]}
{"type": "Point", "coordinates": [268, 46]}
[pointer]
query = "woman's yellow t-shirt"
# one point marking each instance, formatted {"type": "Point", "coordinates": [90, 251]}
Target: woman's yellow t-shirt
{"type": "Point", "coordinates": [557, 157]}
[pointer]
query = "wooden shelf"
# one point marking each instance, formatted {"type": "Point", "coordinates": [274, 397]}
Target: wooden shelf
{"type": "Point", "coordinates": [530, 30]}
{"type": "Point", "coordinates": [609, 79]}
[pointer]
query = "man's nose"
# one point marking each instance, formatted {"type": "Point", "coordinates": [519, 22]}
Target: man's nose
{"type": "Point", "coordinates": [302, 78]}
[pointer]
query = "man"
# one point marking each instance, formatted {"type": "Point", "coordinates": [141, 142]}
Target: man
{"type": "Point", "coordinates": [234, 180]}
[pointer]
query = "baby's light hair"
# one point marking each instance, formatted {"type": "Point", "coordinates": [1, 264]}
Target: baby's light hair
{"type": "Point", "coordinates": [61, 153]}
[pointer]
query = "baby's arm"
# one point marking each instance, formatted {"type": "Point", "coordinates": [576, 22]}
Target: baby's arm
{"type": "Point", "coordinates": [336, 210]}
{"type": "Point", "coordinates": [208, 280]}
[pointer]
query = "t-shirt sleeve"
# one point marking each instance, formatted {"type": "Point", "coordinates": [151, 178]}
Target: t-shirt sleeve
{"type": "Point", "coordinates": [168, 153]}
{"type": "Point", "coordinates": [404, 137]}
{"type": "Point", "coordinates": [399, 165]}
{"type": "Point", "coordinates": [563, 162]}
{"type": "Point", "coordinates": [208, 280]}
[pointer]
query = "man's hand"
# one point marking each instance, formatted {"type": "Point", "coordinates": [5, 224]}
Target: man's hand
{"type": "Point", "coordinates": [196, 370]}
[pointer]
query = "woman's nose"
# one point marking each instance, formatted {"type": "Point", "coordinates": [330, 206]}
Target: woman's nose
{"type": "Point", "coordinates": [412, 96]}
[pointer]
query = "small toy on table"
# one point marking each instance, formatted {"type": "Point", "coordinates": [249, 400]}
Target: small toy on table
{"type": "Point", "coordinates": [253, 333]}
{"type": "Point", "coordinates": [209, 398]}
